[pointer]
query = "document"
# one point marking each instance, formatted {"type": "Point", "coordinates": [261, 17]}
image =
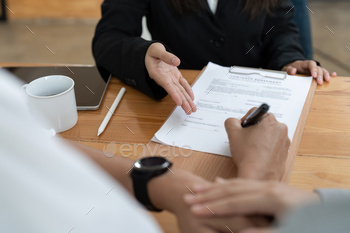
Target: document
{"type": "Point", "coordinates": [223, 92]}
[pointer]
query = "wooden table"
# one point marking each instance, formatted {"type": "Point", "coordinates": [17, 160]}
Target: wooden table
{"type": "Point", "coordinates": [323, 158]}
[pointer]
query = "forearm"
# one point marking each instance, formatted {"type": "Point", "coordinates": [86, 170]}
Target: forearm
{"type": "Point", "coordinates": [165, 191]}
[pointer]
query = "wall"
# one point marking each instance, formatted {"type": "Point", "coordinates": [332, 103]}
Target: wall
{"type": "Point", "coordinates": [26, 9]}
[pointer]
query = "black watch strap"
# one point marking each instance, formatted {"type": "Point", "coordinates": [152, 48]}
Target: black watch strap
{"type": "Point", "coordinates": [143, 171]}
{"type": "Point", "coordinates": [141, 193]}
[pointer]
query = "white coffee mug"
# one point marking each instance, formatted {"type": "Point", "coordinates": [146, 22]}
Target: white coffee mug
{"type": "Point", "coordinates": [51, 101]}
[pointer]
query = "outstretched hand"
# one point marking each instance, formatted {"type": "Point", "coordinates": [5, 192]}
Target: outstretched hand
{"type": "Point", "coordinates": [162, 68]}
{"type": "Point", "coordinates": [309, 67]}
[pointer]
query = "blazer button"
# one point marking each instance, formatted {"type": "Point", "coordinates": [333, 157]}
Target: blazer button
{"type": "Point", "coordinates": [130, 81]}
{"type": "Point", "coordinates": [219, 42]}
{"type": "Point", "coordinates": [134, 83]}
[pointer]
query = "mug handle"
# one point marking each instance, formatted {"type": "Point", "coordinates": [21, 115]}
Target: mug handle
{"type": "Point", "coordinates": [24, 87]}
{"type": "Point", "coordinates": [24, 92]}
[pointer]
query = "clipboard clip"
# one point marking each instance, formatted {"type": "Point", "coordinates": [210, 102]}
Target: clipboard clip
{"type": "Point", "coordinates": [262, 72]}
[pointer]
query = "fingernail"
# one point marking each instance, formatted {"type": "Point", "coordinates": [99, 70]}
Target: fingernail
{"type": "Point", "coordinates": [198, 187]}
{"type": "Point", "coordinates": [314, 74]}
{"type": "Point", "coordinates": [173, 60]}
{"type": "Point", "coordinates": [189, 198]}
{"type": "Point", "coordinates": [197, 208]}
{"type": "Point", "coordinates": [220, 180]}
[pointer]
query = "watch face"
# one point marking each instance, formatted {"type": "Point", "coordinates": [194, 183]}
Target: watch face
{"type": "Point", "coordinates": [152, 163]}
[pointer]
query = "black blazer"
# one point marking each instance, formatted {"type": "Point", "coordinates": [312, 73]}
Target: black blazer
{"type": "Point", "coordinates": [227, 38]}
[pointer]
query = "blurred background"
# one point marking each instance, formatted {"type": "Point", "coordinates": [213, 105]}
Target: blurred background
{"type": "Point", "coordinates": [61, 31]}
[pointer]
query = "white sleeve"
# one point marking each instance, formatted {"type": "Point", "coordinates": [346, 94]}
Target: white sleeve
{"type": "Point", "coordinates": [47, 186]}
{"type": "Point", "coordinates": [331, 195]}
{"type": "Point", "coordinates": [332, 216]}
{"type": "Point", "coordinates": [213, 5]}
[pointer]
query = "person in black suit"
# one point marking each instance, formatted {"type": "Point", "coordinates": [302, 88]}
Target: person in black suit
{"type": "Point", "coordinates": [187, 34]}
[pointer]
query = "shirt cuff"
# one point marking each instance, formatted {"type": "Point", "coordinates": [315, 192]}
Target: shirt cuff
{"type": "Point", "coordinates": [333, 195]}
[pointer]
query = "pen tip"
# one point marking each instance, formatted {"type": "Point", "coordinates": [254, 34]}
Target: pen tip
{"type": "Point", "coordinates": [98, 134]}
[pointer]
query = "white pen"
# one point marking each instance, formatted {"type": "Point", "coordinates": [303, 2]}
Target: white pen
{"type": "Point", "coordinates": [111, 111]}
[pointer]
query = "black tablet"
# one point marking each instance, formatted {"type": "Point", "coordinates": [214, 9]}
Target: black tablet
{"type": "Point", "coordinates": [89, 88]}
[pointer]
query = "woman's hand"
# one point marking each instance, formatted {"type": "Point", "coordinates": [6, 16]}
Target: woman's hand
{"type": "Point", "coordinates": [309, 67]}
{"type": "Point", "coordinates": [243, 197]}
{"type": "Point", "coordinates": [162, 68]}
{"type": "Point", "coordinates": [259, 151]}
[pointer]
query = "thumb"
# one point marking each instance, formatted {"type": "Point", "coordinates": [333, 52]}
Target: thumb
{"type": "Point", "coordinates": [157, 50]}
{"type": "Point", "coordinates": [247, 114]}
{"type": "Point", "coordinates": [258, 230]}
{"type": "Point", "coordinates": [232, 125]}
{"type": "Point", "coordinates": [291, 70]}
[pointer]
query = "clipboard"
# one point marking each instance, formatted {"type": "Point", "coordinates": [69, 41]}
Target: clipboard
{"type": "Point", "coordinates": [240, 70]}
{"type": "Point", "coordinates": [209, 165]}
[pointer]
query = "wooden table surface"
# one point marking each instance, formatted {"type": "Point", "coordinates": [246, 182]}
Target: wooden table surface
{"type": "Point", "coordinates": [323, 158]}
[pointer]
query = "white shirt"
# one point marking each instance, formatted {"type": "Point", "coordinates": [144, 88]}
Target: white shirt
{"type": "Point", "coordinates": [213, 5]}
{"type": "Point", "coordinates": [46, 186]}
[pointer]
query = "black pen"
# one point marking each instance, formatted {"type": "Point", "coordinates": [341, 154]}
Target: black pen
{"type": "Point", "coordinates": [254, 117]}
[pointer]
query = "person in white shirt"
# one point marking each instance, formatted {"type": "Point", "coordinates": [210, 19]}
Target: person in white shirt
{"type": "Point", "coordinates": [48, 186]}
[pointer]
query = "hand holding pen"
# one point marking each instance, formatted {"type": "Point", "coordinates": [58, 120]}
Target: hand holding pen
{"type": "Point", "coordinates": [260, 151]}
{"type": "Point", "coordinates": [255, 116]}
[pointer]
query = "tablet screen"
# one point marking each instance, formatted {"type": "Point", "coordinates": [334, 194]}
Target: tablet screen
{"type": "Point", "coordinates": [89, 88]}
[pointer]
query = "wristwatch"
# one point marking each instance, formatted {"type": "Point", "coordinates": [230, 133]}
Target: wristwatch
{"type": "Point", "coordinates": [143, 171]}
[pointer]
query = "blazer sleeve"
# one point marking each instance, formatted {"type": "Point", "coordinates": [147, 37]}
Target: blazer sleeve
{"type": "Point", "coordinates": [281, 38]}
{"type": "Point", "coordinates": [118, 48]}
